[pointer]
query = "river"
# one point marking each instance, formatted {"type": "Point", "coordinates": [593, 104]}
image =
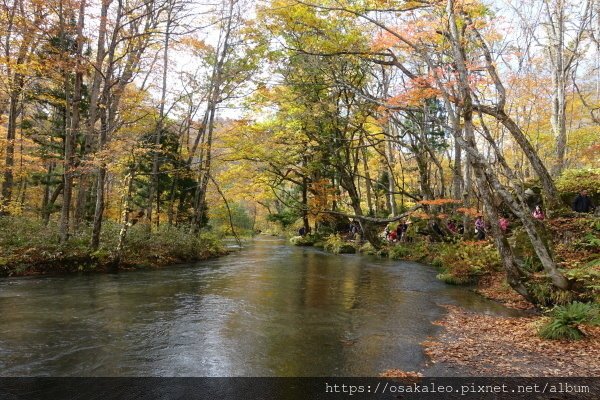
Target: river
{"type": "Point", "coordinates": [270, 309]}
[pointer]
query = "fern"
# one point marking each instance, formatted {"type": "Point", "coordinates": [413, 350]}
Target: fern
{"type": "Point", "coordinates": [592, 241]}
{"type": "Point", "coordinates": [555, 330]}
{"type": "Point", "coordinates": [565, 321]}
{"type": "Point", "coordinates": [593, 263]}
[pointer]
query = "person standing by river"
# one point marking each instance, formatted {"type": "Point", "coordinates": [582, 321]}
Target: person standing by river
{"type": "Point", "coordinates": [582, 203]}
{"type": "Point", "coordinates": [401, 230]}
{"type": "Point", "coordinates": [503, 223]}
{"type": "Point", "coordinates": [451, 226]}
{"type": "Point", "coordinates": [480, 228]}
{"type": "Point", "coordinates": [538, 213]}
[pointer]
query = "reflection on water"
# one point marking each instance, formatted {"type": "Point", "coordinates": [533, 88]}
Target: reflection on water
{"type": "Point", "coordinates": [269, 310]}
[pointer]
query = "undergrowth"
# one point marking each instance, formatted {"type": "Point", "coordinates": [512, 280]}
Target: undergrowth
{"type": "Point", "coordinates": [28, 243]}
{"type": "Point", "coordinates": [335, 244]}
{"type": "Point", "coordinates": [459, 263]}
{"type": "Point", "coordinates": [565, 321]}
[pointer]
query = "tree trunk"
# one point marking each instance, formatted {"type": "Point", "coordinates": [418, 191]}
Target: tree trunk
{"type": "Point", "coordinates": [46, 196]}
{"type": "Point", "coordinates": [100, 184]}
{"type": "Point", "coordinates": [559, 118]}
{"type": "Point", "coordinates": [457, 180]}
{"type": "Point", "coordinates": [114, 87]}
{"type": "Point", "coordinates": [389, 153]}
{"type": "Point", "coordinates": [125, 216]}
{"type": "Point", "coordinates": [72, 129]}
{"type": "Point", "coordinates": [529, 151]}
{"type": "Point", "coordinates": [469, 145]}
{"type": "Point", "coordinates": [305, 222]}
{"type": "Point", "coordinates": [13, 111]}
{"type": "Point", "coordinates": [367, 179]}
{"type": "Point", "coordinates": [94, 111]}
{"type": "Point", "coordinates": [154, 178]}
{"type": "Point", "coordinates": [556, 30]}
{"type": "Point", "coordinates": [515, 276]}
{"type": "Point", "coordinates": [213, 101]}
{"type": "Point", "coordinates": [47, 211]}
{"type": "Point", "coordinates": [422, 165]}
{"type": "Point", "coordinates": [391, 181]}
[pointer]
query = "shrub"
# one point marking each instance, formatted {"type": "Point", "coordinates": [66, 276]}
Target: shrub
{"type": "Point", "coordinates": [546, 294]}
{"type": "Point", "coordinates": [588, 275]}
{"type": "Point", "coordinates": [523, 249]}
{"type": "Point", "coordinates": [590, 241]}
{"type": "Point", "coordinates": [178, 243]}
{"type": "Point", "coordinates": [320, 244]}
{"type": "Point", "coordinates": [414, 251]}
{"type": "Point", "coordinates": [336, 245]}
{"type": "Point", "coordinates": [565, 321]}
{"type": "Point", "coordinates": [399, 252]}
{"type": "Point", "coordinates": [383, 252]}
{"type": "Point", "coordinates": [27, 243]}
{"type": "Point", "coordinates": [307, 240]}
{"type": "Point", "coordinates": [367, 248]}
{"type": "Point", "coordinates": [463, 262]}
{"type": "Point", "coordinates": [437, 262]}
{"type": "Point", "coordinates": [16, 231]}
{"type": "Point", "coordinates": [452, 279]}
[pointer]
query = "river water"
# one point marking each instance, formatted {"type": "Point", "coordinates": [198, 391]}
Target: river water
{"type": "Point", "coordinates": [269, 310]}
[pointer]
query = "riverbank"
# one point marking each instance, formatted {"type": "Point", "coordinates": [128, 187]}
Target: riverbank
{"type": "Point", "coordinates": [475, 264]}
{"type": "Point", "coordinates": [574, 241]}
{"type": "Point", "coordinates": [31, 248]}
{"type": "Point", "coordinates": [492, 345]}
{"type": "Point", "coordinates": [487, 345]}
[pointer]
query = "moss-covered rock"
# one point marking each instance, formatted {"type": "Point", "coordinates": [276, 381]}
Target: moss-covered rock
{"type": "Point", "coordinates": [367, 248]}
{"type": "Point", "coordinates": [347, 248]}
{"type": "Point", "coordinates": [302, 240]}
{"type": "Point", "coordinates": [384, 252]}
{"type": "Point", "coordinates": [448, 277]}
{"type": "Point", "coordinates": [335, 244]}
{"type": "Point", "coordinates": [572, 181]}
